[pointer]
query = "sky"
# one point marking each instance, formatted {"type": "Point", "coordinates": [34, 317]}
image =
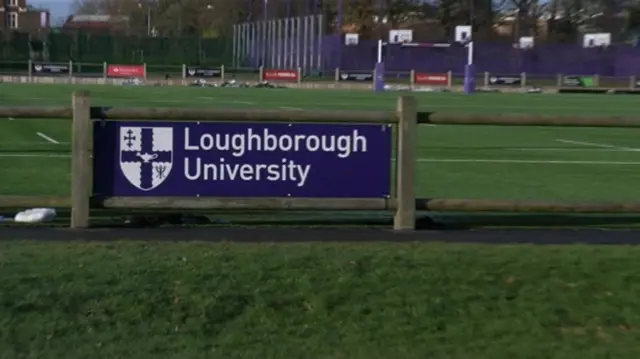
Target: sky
{"type": "Point", "coordinates": [59, 9]}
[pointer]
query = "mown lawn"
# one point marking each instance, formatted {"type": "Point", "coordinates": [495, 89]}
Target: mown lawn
{"type": "Point", "coordinates": [198, 300]}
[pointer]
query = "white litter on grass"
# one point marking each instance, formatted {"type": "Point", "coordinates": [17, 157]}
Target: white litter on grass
{"type": "Point", "coordinates": [35, 215]}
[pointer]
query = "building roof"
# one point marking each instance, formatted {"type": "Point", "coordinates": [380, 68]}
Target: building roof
{"type": "Point", "coordinates": [94, 21]}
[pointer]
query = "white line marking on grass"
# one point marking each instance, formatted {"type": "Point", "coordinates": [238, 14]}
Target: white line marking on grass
{"type": "Point", "coordinates": [601, 145]}
{"type": "Point", "coordinates": [35, 155]}
{"type": "Point", "coordinates": [565, 149]}
{"type": "Point", "coordinates": [244, 102]}
{"type": "Point", "coordinates": [515, 161]}
{"type": "Point", "coordinates": [47, 138]}
{"type": "Point", "coordinates": [28, 143]}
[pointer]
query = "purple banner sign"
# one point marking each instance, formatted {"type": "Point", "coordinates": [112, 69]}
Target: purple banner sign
{"type": "Point", "coordinates": [241, 160]}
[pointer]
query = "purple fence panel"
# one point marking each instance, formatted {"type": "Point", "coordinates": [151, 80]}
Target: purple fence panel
{"type": "Point", "coordinates": [544, 59]}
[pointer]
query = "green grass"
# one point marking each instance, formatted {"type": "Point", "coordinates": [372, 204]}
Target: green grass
{"type": "Point", "coordinates": [456, 161]}
{"type": "Point", "coordinates": [547, 104]}
{"type": "Point", "coordinates": [375, 301]}
{"type": "Point", "coordinates": [480, 162]}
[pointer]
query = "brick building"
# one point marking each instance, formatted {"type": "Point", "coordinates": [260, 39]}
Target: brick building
{"type": "Point", "coordinates": [16, 15]}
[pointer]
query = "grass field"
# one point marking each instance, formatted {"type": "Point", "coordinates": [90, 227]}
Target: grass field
{"type": "Point", "coordinates": [374, 301]}
{"type": "Point", "coordinates": [368, 301]}
{"type": "Point", "coordinates": [455, 161]}
{"type": "Point", "coordinates": [546, 163]}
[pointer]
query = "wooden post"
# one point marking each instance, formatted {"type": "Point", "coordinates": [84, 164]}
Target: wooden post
{"type": "Point", "coordinates": [81, 176]}
{"type": "Point", "coordinates": [412, 79]}
{"type": "Point", "coordinates": [405, 218]}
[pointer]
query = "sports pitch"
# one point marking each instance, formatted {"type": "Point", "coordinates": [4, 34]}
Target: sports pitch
{"type": "Point", "coordinates": [481, 162]}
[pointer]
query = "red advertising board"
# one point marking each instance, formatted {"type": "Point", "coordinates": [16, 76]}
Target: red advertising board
{"type": "Point", "coordinates": [125, 70]}
{"type": "Point", "coordinates": [431, 79]}
{"type": "Point", "coordinates": [280, 75]}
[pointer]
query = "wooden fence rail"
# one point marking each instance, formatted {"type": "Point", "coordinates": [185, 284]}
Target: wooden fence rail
{"type": "Point", "coordinates": [316, 116]}
{"type": "Point", "coordinates": [375, 204]}
{"type": "Point", "coordinates": [405, 204]}
{"type": "Point", "coordinates": [405, 117]}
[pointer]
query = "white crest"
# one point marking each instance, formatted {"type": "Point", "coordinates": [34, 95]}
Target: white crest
{"type": "Point", "coordinates": [146, 155]}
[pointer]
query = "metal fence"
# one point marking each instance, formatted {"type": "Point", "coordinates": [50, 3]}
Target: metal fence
{"type": "Point", "coordinates": [301, 42]}
{"type": "Point", "coordinates": [287, 43]}
{"type": "Point", "coordinates": [97, 48]}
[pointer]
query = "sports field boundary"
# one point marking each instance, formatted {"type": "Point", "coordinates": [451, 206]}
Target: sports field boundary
{"type": "Point", "coordinates": [403, 202]}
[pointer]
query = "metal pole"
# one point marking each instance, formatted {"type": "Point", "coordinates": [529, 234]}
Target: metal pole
{"type": "Point", "coordinates": [263, 42]}
{"type": "Point", "coordinates": [236, 40]}
{"type": "Point", "coordinates": [247, 43]}
{"type": "Point", "coordinates": [265, 9]}
{"type": "Point", "coordinates": [320, 36]}
{"type": "Point", "coordinates": [272, 41]}
{"type": "Point", "coordinates": [472, 16]}
{"type": "Point", "coordinates": [292, 41]}
{"type": "Point", "coordinates": [298, 37]}
{"type": "Point", "coordinates": [254, 36]}
{"type": "Point", "coordinates": [305, 43]}
{"type": "Point", "coordinates": [257, 40]}
{"type": "Point", "coordinates": [312, 37]}
{"type": "Point", "coordinates": [341, 43]}
{"type": "Point", "coordinates": [285, 43]}
{"type": "Point", "coordinates": [244, 44]}
{"type": "Point", "coordinates": [279, 43]}
{"type": "Point", "coordinates": [257, 49]}
{"type": "Point", "coordinates": [267, 41]}
{"type": "Point", "coordinates": [148, 20]}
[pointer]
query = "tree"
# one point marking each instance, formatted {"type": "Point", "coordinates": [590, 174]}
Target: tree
{"type": "Point", "coordinates": [171, 17]}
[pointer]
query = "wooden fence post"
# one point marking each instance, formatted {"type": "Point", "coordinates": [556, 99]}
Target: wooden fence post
{"type": "Point", "coordinates": [405, 218]}
{"type": "Point", "coordinates": [81, 177]}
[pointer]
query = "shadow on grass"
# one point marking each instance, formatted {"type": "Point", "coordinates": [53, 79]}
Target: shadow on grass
{"type": "Point", "coordinates": [424, 221]}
